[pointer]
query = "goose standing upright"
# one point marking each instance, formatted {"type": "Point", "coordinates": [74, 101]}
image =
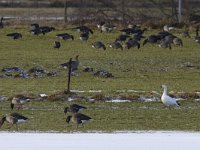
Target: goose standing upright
{"type": "Point", "coordinates": [167, 100]}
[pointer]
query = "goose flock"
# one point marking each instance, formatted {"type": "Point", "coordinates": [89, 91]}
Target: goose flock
{"type": "Point", "coordinates": [130, 37]}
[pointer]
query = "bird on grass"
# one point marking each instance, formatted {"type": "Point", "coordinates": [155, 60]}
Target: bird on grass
{"type": "Point", "coordinates": [78, 118]}
{"type": "Point", "coordinates": [98, 45]}
{"type": "Point", "coordinates": [13, 118]}
{"type": "Point", "coordinates": [167, 100]}
{"type": "Point", "coordinates": [56, 44]}
{"type": "Point", "coordinates": [65, 36]}
{"type": "Point", "coordinates": [74, 108]}
{"type": "Point", "coordinates": [74, 64]}
{"type": "Point", "coordinates": [15, 35]}
{"type": "Point", "coordinates": [18, 101]}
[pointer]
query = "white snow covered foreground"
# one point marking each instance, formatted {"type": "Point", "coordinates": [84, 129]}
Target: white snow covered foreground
{"type": "Point", "coordinates": [101, 141]}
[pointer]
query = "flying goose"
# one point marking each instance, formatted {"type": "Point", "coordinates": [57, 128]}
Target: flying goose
{"type": "Point", "coordinates": [116, 45]}
{"type": "Point", "coordinates": [74, 64]}
{"type": "Point", "coordinates": [15, 35]}
{"type": "Point", "coordinates": [1, 23]}
{"type": "Point", "coordinates": [13, 118]}
{"type": "Point", "coordinates": [56, 44]}
{"type": "Point", "coordinates": [65, 36]}
{"type": "Point", "coordinates": [167, 100]}
{"type": "Point", "coordinates": [74, 108]}
{"type": "Point", "coordinates": [98, 44]}
{"type": "Point", "coordinates": [18, 101]}
{"type": "Point", "coordinates": [78, 118]}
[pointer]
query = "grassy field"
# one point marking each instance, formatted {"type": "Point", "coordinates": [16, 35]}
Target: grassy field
{"type": "Point", "coordinates": [145, 69]}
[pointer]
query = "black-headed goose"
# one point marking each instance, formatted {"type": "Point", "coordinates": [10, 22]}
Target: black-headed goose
{"type": "Point", "coordinates": [15, 35]}
{"type": "Point", "coordinates": [98, 44]}
{"type": "Point", "coordinates": [116, 45]}
{"type": "Point", "coordinates": [167, 100]}
{"type": "Point", "coordinates": [84, 36]}
{"type": "Point", "coordinates": [132, 43]}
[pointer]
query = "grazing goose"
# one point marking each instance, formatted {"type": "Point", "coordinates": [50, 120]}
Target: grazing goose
{"type": "Point", "coordinates": [165, 44]}
{"type": "Point", "coordinates": [167, 100]}
{"type": "Point", "coordinates": [116, 45]}
{"type": "Point", "coordinates": [46, 29]}
{"type": "Point", "coordinates": [34, 26]}
{"type": "Point", "coordinates": [74, 64]}
{"type": "Point", "coordinates": [74, 108]}
{"type": "Point", "coordinates": [107, 28]}
{"type": "Point", "coordinates": [122, 38]}
{"type": "Point", "coordinates": [84, 36]}
{"type": "Point", "coordinates": [56, 44]}
{"type": "Point", "coordinates": [128, 30]}
{"type": "Point", "coordinates": [98, 45]}
{"type": "Point", "coordinates": [152, 39]}
{"type": "Point", "coordinates": [19, 100]}
{"type": "Point", "coordinates": [13, 118]}
{"type": "Point", "coordinates": [15, 35]}
{"type": "Point", "coordinates": [132, 43]}
{"type": "Point", "coordinates": [100, 24]}
{"type": "Point", "coordinates": [1, 23]}
{"type": "Point", "coordinates": [138, 37]}
{"type": "Point", "coordinates": [178, 42]}
{"type": "Point", "coordinates": [83, 29]}
{"type": "Point", "coordinates": [78, 118]}
{"type": "Point", "coordinates": [65, 36]}
{"type": "Point", "coordinates": [197, 37]}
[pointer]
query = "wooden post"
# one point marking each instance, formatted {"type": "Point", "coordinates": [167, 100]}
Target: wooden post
{"type": "Point", "coordinates": [180, 11]}
{"type": "Point", "coordinates": [69, 76]}
{"type": "Point", "coordinates": [65, 14]}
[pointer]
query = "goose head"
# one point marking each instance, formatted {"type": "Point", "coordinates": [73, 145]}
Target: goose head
{"type": "Point", "coordinates": [68, 119]}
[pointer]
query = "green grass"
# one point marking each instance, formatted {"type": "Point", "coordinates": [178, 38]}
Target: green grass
{"type": "Point", "coordinates": [145, 69]}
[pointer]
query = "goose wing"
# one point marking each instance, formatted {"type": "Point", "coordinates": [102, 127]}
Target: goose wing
{"type": "Point", "coordinates": [18, 116]}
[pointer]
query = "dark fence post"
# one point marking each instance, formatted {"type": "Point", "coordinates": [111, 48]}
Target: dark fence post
{"type": "Point", "coordinates": [69, 76]}
{"type": "Point", "coordinates": [65, 16]}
